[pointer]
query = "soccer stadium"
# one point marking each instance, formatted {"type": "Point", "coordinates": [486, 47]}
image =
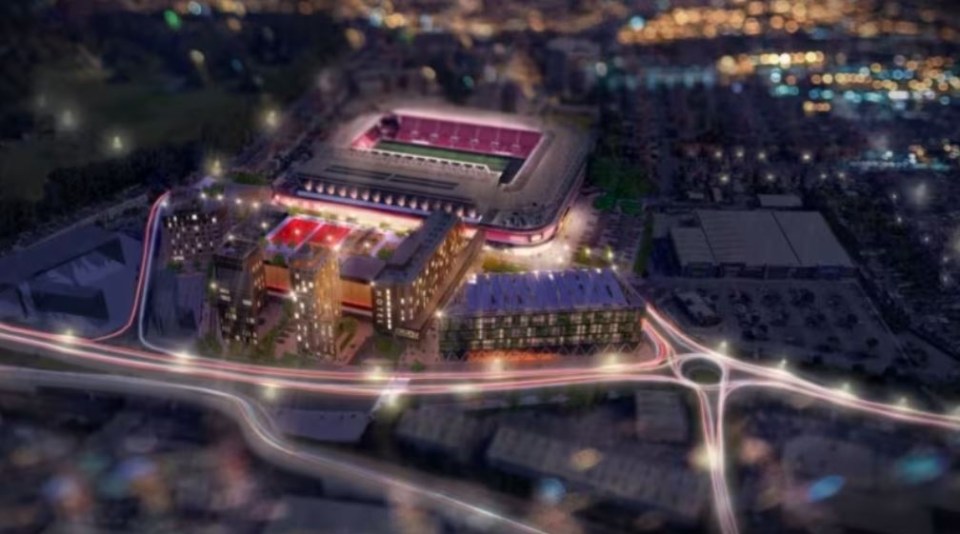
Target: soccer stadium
{"type": "Point", "coordinates": [514, 177]}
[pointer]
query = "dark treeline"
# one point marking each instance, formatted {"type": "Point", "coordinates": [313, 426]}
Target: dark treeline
{"type": "Point", "coordinates": [70, 189]}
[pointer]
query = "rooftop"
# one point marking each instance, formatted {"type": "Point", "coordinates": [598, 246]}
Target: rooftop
{"type": "Point", "coordinates": [83, 279]}
{"type": "Point", "coordinates": [623, 477]}
{"type": "Point", "coordinates": [780, 201]}
{"type": "Point", "coordinates": [237, 248]}
{"type": "Point", "coordinates": [361, 268]}
{"type": "Point", "coordinates": [759, 238]}
{"type": "Point", "coordinates": [409, 258]}
{"type": "Point", "coordinates": [584, 289]}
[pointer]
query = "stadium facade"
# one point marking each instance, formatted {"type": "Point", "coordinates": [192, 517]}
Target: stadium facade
{"type": "Point", "coordinates": [513, 177]}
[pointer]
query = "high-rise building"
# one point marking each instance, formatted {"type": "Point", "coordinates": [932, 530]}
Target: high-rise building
{"type": "Point", "coordinates": [421, 271]}
{"type": "Point", "coordinates": [577, 311]}
{"type": "Point", "coordinates": [240, 289]}
{"type": "Point", "coordinates": [315, 282]}
{"type": "Point", "coordinates": [193, 228]}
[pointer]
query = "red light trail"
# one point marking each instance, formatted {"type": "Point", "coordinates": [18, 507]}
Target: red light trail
{"type": "Point", "coordinates": [665, 368]}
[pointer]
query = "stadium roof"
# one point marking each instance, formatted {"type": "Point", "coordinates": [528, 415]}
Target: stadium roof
{"type": "Point", "coordinates": [533, 199]}
{"type": "Point", "coordinates": [583, 289]}
{"type": "Point", "coordinates": [759, 238]}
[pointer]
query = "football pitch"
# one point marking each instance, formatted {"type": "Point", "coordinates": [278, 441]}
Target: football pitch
{"type": "Point", "coordinates": [495, 163]}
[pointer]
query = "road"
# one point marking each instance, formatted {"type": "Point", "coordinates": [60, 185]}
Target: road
{"type": "Point", "coordinates": [210, 382]}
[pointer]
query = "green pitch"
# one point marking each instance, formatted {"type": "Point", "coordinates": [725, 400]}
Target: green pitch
{"type": "Point", "coordinates": [496, 163]}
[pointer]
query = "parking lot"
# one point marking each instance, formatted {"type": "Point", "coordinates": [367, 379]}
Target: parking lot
{"type": "Point", "coordinates": [828, 322]}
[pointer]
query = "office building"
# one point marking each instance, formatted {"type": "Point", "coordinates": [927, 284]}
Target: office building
{"type": "Point", "coordinates": [577, 311]}
{"type": "Point", "coordinates": [193, 228]}
{"type": "Point", "coordinates": [422, 270]}
{"type": "Point", "coordinates": [315, 280]}
{"type": "Point", "coordinates": [240, 288]}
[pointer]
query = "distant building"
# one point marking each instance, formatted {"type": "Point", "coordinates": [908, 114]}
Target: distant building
{"type": "Point", "coordinates": [440, 430]}
{"type": "Point", "coordinates": [625, 479]}
{"type": "Point", "coordinates": [780, 201]}
{"type": "Point", "coordinates": [193, 227]}
{"type": "Point", "coordinates": [315, 277]}
{"type": "Point", "coordinates": [570, 311]}
{"type": "Point", "coordinates": [760, 244]}
{"type": "Point", "coordinates": [571, 66]}
{"type": "Point", "coordinates": [425, 266]}
{"type": "Point", "coordinates": [240, 288]}
{"type": "Point", "coordinates": [83, 280]}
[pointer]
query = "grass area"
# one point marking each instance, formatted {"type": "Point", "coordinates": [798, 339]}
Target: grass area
{"type": "Point", "coordinates": [493, 264]}
{"type": "Point", "coordinates": [387, 347]}
{"type": "Point", "coordinates": [33, 361]}
{"type": "Point", "coordinates": [141, 114]}
{"type": "Point", "coordinates": [704, 376]}
{"type": "Point", "coordinates": [496, 163]}
{"type": "Point", "coordinates": [623, 185]}
{"type": "Point", "coordinates": [249, 178]}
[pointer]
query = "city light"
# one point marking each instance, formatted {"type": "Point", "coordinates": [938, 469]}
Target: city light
{"type": "Point", "coordinates": [270, 391]}
{"type": "Point", "coordinates": [116, 144]}
{"type": "Point", "coordinates": [68, 337]}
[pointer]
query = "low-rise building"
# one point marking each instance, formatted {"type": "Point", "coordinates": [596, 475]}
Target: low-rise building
{"type": "Point", "coordinates": [240, 288]}
{"type": "Point", "coordinates": [622, 478]}
{"type": "Point", "coordinates": [315, 279]}
{"type": "Point", "coordinates": [577, 311]}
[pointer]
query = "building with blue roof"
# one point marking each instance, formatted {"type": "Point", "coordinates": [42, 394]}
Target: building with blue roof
{"type": "Point", "coordinates": [579, 311]}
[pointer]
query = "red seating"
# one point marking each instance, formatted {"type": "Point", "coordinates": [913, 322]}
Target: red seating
{"type": "Point", "coordinates": [459, 136]}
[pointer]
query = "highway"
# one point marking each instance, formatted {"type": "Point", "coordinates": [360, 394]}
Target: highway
{"type": "Point", "coordinates": [208, 382]}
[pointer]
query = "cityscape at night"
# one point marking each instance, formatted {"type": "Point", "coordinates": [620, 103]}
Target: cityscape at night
{"type": "Point", "coordinates": [480, 266]}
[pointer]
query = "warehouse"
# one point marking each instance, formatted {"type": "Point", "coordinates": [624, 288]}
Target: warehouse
{"type": "Point", "coordinates": [759, 244]}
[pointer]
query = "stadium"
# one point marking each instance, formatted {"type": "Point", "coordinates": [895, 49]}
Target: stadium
{"type": "Point", "coordinates": [514, 177]}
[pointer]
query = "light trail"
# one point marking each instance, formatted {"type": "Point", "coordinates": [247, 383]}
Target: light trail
{"type": "Point", "coordinates": [260, 433]}
{"type": "Point", "coordinates": [146, 263]}
{"type": "Point", "coordinates": [665, 368]}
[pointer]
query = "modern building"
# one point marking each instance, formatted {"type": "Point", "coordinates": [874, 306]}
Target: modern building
{"type": "Point", "coordinates": [240, 287]}
{"type": "Point", "coordinates": [357, 276]}
{"type": "Point", "coordinates": [421, 272]}
{"type": "Point", "coordinates": [315, 280]}
{"type": "Point", "coordinates": [577, 311]}
{"type": "Point", "coordinates": [759, 244]}
{"type": "Point", "coordinates": [193, 227]}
